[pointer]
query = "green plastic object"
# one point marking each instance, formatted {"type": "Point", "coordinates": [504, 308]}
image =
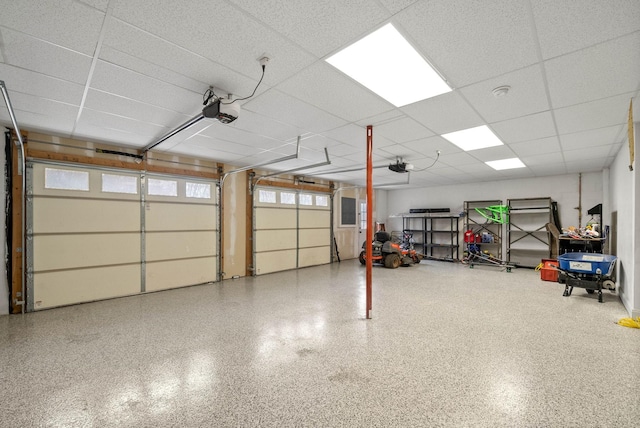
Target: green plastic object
{"type": "Point", "coordinates": [495, 213]}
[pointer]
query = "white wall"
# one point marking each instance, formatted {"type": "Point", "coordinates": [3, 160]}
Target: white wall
{"type": "Point", "coordinates": [624, 201]}
{"type": "Point", "coordinates": [561, 188]}
{"type": "Point", "coordinates": [4, 286]}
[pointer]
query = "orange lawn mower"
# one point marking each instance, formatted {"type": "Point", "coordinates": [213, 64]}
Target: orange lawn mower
{"type": "Point", "coordinates": [392, 253]}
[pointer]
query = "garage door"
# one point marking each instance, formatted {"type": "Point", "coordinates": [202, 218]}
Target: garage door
{"type": "Point", "coordinates": [181, 233]}
{"type": "Point", "coordinates": [291, 229]}
{"type": "Point", "coordinates": [86, 237]}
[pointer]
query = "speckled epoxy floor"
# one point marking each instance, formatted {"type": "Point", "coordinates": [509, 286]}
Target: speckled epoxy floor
{"type": "Point", "coordinates": [447, 346]}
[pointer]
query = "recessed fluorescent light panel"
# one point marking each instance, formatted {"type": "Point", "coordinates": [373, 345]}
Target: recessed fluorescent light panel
{"type": "Point", "coordinates": [506, 164]}
{"type": "Point", "coordinates": [388, 65]}
{"type": "Point", "coordinates": [476, 138]}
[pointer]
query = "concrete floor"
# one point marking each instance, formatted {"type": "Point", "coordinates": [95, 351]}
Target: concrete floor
{"type": "Point", "coordinates": [447, 346]}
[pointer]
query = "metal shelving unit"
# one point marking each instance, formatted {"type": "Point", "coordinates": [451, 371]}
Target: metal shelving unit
{"type": "Point", "coordinates": [528, 241]}
{"type": "Point", "coordinates": [436, 236]}
{"type": "Point", "coordinates": [481, 225]}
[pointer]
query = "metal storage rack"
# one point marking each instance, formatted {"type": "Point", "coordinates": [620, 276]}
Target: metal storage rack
{"type": "Point", "coordinates": [436, 236]}
{"type": "Point", "coordinates": [528, 241]}
{"type": "Point", "coordinates": [479, 224]}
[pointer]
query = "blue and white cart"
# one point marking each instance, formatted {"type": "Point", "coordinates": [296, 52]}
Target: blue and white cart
{"type": "Point", "coordinates": [591, 271]}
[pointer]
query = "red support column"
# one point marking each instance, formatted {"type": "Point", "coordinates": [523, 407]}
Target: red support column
{"type": "Point", "coordinates": [369, 254]}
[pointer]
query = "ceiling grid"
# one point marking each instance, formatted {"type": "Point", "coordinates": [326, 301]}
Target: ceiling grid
{"type": "Point", "coordinates": [127, 72]}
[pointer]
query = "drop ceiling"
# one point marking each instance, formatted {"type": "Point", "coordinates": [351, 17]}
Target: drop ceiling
{"type": "Point", "coordinates": [126, 72]}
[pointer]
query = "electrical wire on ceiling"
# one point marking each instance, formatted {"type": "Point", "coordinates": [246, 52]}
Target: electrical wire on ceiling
{"type": "Point", "coordinates": [426, 168]}
{"type": "Point", "coordinates": [209, 94]}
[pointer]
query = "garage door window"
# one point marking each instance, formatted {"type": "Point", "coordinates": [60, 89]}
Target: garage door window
{"type": "Point", "coordinates": [322, 201]}
{"type": "Point", "coordinates": [287, 198]}
{"type": "Point", "coordinates": [306, 199]}
{"type": "Point", "coordinates": [267, 196]}
{"type": "Point", "coordinates": [112, 183]}
{"type": "Point", "coordinates": [162, 187]}
{"type": "Point", "coordinates": [198, 190]}
{"type": "Point", "coordinates": [66, 179]}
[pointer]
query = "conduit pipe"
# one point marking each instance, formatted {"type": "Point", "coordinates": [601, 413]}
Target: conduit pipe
{"type": "Point", "coordinates": [21, 171]}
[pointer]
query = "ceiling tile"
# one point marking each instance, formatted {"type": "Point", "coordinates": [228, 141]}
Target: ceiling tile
{"type": "Point", "coordinates": [77, 26]}
{"type": "Point", "coordinates": [526, 128]}
{"type": "Point", "coordinates": [186, 134]}
{"type": "Point", "coordinates": [493, 153]}
{"type": "Point", "coordinates": [591, 138]}
{"type": "Point", "coordinates": [98, 4]}
{"type": "Point", "coordinates": [593, 152]}
{"type": "Point", "coordinates": [535, 147]}
{"type": "Point", "coordinates": [597, 72]}
{"type": "Point", "coordinates": [210, 152]}
{"type": "Point", "coordinates": [587, 26]}
{"type": "Point", "coordinates": [395, 6]}
{"type": "Point", "coordinates": [586, 165]}
{"type": "Point", "coordinates": [430, 146]}
{"type": "Point", "coordinates": [515, 173]}
{"type": "Point", "coordinates": [144, 131]}
{"type": "Point", "coordinates": [319, 26]}
{"type": "Point", "coordinates": [33, 83]}
{"type": "Point", "coordinates": [42, 106]}
{"type": "Point", "coordinates": [402, 130]}
{"type": "Point", "coordinates": [148, 54]}
{"type": "Point", "coordinates": [486, 38]}
{"type": "Point", "coordinates": [237, 40]}
{"type": "Point", "coordinates": [595, 114]}
{"type": "Point", "coordinates": [21, 50]}
{"type": "Point", "coordinates": [526, 96]}
{"type": "Point", "coordinates": [327, 88]}
{"type": "Point", "coordinates": [543, 159]}
{"type": "Point", "coordinates": [122, 106]}
{"type": "Point", "coordinates": [445, 113]}
{"type": "Point", "coordinates": [58, 124]}
{"type": "Point", "coordinates": [398, 151]}
{"type": "Point", "coordinates": [458, 160]}
{"type": "Point", "coordinates": [546, 169]}
{"type": "Point", "coordinates": [354, 135]}
{"type": "Point", "coordinates": [86, 130]}
{"type": "Point", "coordinates": [232, 135]}
{"type": "Point", "coordinates": [258, 124]}
{"type": "Point", "coordinates": [381, 119]}
{"type": "Point", "coordinates": [126, 83]}
{"type": "Point", "coordinates": [294, 112]}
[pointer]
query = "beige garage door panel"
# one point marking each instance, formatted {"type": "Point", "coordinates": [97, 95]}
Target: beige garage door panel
{"type": "Point", "coordinates": [314, 256]}
{"type": "Point", "coordinates": [84, 285]}
{"type": "Point", "coordinates": [180, 273]}
{"type": "Point", "coordinates": [274, 218]}
{"type": "Point", "coordinates": [76, 251]}
{"type": "Point", "coordinates": [274, 240]}
{"type": "Point", "coordinates": [180, 245]}
{"type": "Point", "coordinates": [314, 218]}
{"type": "Point", "coordinates": [275, 261]}
{"type": "Point", "coordinates": [164, 216]}
{"type": "Point", "coordinates": [314, 238]}
{"type": "Point", "coordinates": [81, 215]}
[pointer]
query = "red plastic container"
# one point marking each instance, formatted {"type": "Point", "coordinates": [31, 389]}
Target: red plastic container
{"type": "Point", "coordinates": [469, 237]}
{"type": "Point", "coordinates": [548, 271]}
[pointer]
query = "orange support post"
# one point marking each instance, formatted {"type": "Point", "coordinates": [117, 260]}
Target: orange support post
{"type": "Point", "coordinates": [369, 215]}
